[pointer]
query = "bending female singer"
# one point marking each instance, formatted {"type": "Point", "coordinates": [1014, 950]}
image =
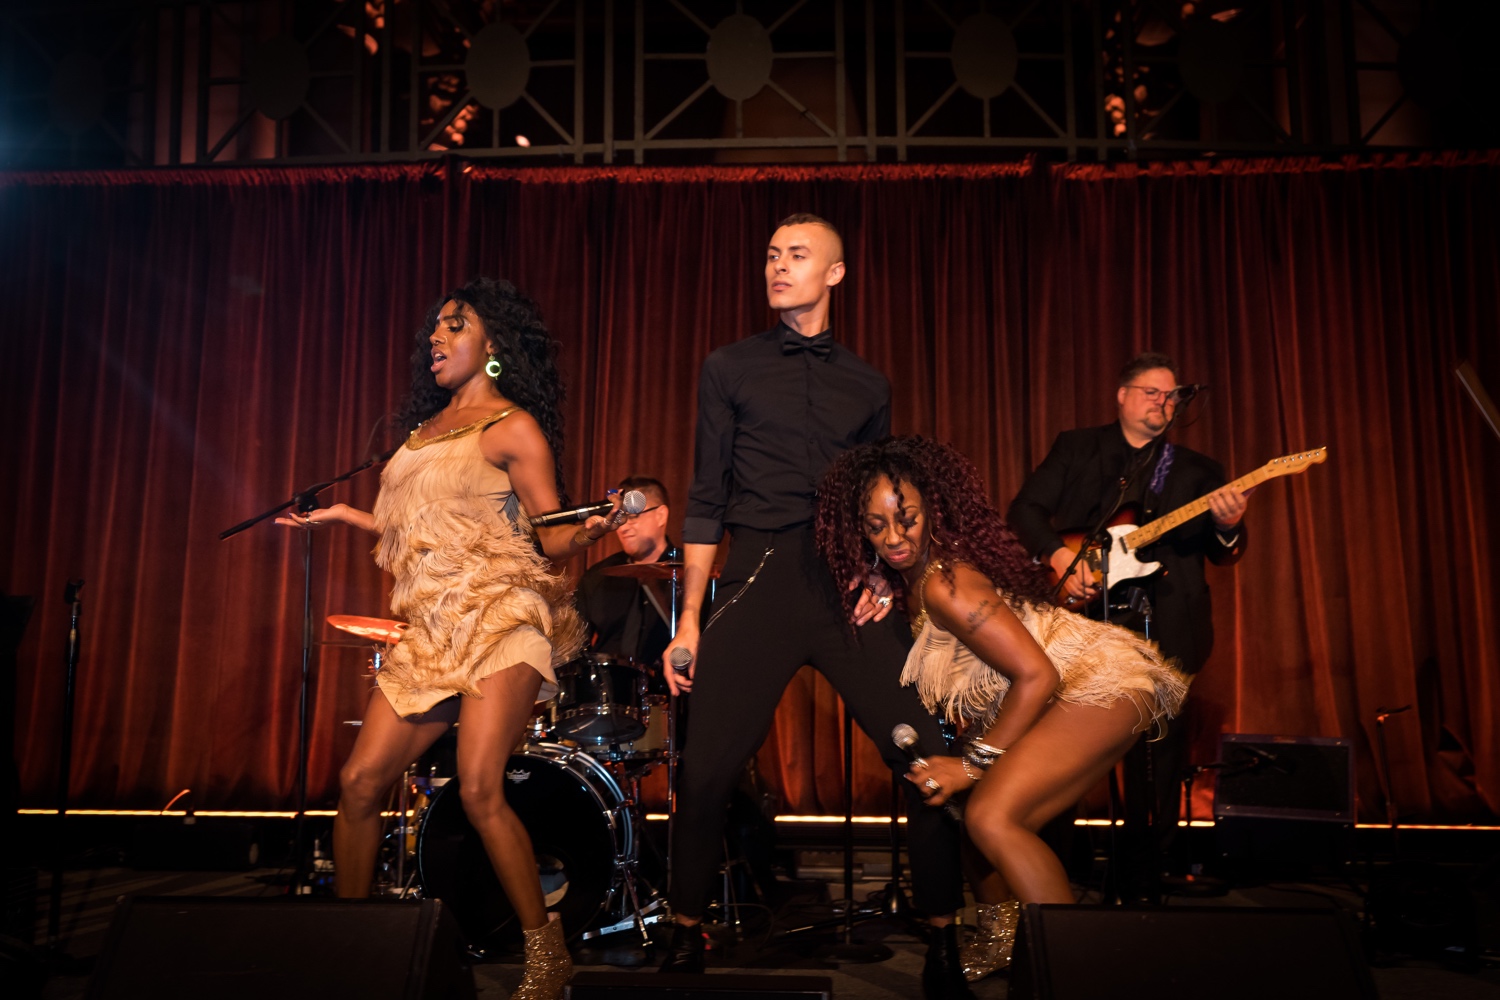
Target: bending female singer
{"type": "Point", "coordinates": [1050, 700]}
{"type": "Point", "coordinates": [488, 614]}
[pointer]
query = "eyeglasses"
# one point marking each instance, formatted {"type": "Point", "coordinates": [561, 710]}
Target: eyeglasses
{"type": "Point", "coordinates": [632, 517]}
{"type": "Point", "coordinates": [1152, 393]}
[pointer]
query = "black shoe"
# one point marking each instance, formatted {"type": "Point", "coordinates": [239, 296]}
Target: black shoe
{"type": "Point", "coordinates": [943, 970]}
{"type": "Point", "coordinates": [685, 953]}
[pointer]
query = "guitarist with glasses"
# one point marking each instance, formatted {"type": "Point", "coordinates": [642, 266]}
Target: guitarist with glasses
{"type": "Point", "coordinates": [1129, 463]}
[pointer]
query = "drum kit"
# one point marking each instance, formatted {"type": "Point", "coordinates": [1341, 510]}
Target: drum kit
{"type": "Point", "coordinates": [575, 782]}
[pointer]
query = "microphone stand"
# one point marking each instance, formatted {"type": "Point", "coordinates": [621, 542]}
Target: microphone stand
{"type": "Point", "coordinates": [846, 949]}
{"type": "Point", "coordinates": [304, 501]}
{"type": "Point", "coordinates": [64, 767]}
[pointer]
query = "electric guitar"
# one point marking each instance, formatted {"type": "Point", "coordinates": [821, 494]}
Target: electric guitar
{"type": "Point", "coordinates": [1126, 539]}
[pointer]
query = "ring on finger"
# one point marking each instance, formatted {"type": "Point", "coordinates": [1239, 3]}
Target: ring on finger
{"type": "Point", "coordinates": [884, 602]}
{"type": "Point", "coordinates": [932, 785]}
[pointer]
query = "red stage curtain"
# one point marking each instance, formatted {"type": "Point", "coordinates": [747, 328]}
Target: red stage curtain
{"type": "Point", "coordinates": [185, 348]}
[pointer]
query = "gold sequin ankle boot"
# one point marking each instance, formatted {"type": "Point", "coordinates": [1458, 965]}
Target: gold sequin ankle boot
{"type": "Point", "coordinates": [548, 964]}
{"type": "Point", "coordinates": [995, 936]}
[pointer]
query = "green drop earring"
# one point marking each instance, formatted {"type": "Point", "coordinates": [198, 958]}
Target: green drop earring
{"type": "Point", "coordinates": [492, 367]}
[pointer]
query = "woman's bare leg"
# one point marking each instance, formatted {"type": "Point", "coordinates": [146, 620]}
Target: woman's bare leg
{"type": "Point", "coordinates": [489, 729]}
{"type": "Point", "coordinates": [385, 747]}
{"type": "Point", "coordinates": [988, 884]}
{"type": "Point", "coordinates": [1066, 753]}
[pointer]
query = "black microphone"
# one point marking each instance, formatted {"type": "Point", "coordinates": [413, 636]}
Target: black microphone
{"type": "Point", "coordinates": [633, 503]}
{"type": "Point", "coordinates": [906, 740]}
{"type": "Point", "coordinates": [1183, 393]}
{"type": "Point", "coordinates": [680, 659]}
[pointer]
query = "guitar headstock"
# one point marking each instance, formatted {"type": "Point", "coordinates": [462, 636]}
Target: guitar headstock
{"type": "Point", "coordinates": [1288, 464]}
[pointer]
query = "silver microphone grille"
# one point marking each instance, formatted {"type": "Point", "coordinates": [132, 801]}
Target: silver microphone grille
{"type": "Point", "coordinates": [903, 736]}
{"type": "Point", "coordinates": [680, 659]}
{"type": "Point", "coordinates": [633, 502]}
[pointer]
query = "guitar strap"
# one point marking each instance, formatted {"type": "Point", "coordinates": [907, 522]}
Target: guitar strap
{"type": "Point", "coordinates": [1159, 479]}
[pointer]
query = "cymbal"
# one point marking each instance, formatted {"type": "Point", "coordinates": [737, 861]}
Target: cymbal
{"type": "Point", "coordinates": [665, 569]}
{"type": "Point", "coordinates": [375, 629]}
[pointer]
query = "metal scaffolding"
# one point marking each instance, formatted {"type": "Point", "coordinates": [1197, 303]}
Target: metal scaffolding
{"type": "Point", "coordinates": [165, 82]}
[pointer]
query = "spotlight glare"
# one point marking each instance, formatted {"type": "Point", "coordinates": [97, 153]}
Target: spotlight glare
{"type": "Point", "coordinates": [523, 142]}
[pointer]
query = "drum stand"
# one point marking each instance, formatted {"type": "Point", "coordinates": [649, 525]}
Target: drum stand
{"type": "Point", "coordinates": [627, 892]}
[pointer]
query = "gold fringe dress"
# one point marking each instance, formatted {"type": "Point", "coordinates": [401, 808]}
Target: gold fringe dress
{"type": "Point", "coordinates": [1097, 664]}
{"type": "Point", "coordinates": [478, 596]}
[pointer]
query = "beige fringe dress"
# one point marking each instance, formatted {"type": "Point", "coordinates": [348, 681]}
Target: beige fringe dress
{"type": "Point", "coordinates": [477, 594]}
{"type": "Point", "coordinates": [1096, 663]}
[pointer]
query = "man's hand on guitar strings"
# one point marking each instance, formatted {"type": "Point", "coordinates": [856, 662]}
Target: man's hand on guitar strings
{"type": "Point", "coordinates": [1227, 506]}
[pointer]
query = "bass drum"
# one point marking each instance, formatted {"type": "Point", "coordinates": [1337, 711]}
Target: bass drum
{"type": "Point", "coordinates": [573, 810]}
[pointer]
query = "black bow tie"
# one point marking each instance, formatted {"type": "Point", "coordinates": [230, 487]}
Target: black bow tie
{"type": "Point", "coordinates": [819, 347]}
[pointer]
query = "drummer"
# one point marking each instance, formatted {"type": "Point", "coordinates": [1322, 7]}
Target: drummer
{"type": "Point", "coordinates": [627, 617]}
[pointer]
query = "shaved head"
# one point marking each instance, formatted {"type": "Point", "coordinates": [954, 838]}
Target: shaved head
{"type": "Point", "coordinates": [808, 219]}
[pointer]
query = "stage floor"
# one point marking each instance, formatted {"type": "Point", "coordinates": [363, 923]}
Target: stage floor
{"type": "Point", "coordinates": [90, 895]}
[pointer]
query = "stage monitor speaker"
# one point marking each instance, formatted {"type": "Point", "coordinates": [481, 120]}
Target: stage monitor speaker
{"type": "Point", "coordinates": [683, 986]}
{"type": "Point", "coordinates": [229, 948]}
{"type": "Point", "coordinates": [1228, 953]}
{"type": "Point", "coordinates": [1285, 777]}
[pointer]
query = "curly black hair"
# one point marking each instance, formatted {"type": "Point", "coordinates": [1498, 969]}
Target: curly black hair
{"type": "Point", "coordinates": [960, 518]}
{"type": "Point", "coordinates": [527, 355]}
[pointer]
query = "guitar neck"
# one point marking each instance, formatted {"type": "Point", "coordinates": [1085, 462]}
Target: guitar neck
{"type": "Point", "coordinates": [1149, 533]}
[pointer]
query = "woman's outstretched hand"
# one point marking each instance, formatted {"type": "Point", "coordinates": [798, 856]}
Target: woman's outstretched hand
{"type": "Point", "coordinates": [339, 513]}
{"type": "Point", "coordinates": [314, 518]}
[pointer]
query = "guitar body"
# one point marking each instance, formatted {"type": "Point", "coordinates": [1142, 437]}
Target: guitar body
{"type": "Point", "coordinates": [1125, 539]}
{"type": "Point", "coordinates": [1123, 562]}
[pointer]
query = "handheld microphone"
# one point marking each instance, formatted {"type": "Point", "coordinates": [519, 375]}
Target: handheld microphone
{"type": "Point", "coordinates": [633, 503]}
{"type": "Point", "coordinates": [906, 740]}
{"type": "Point", "coordinates": [680, 659]}
{"type": "Point", "coordinates": [1183, 393]}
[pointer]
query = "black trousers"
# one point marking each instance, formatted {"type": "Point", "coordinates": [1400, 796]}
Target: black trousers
{"type": "Point", "coordinates": [788, 617]}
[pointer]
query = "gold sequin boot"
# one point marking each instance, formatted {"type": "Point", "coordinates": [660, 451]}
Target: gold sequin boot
{"type": "Point", "coordinates": [994, 937]}
{"type": "Point", "coordinates": [548, 964]}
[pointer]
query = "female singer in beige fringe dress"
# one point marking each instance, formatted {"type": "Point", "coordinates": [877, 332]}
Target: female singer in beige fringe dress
{"type": "Point", "coordinates": [489, 616]}
{"type": "Point", "coordinates": [1049, 700]}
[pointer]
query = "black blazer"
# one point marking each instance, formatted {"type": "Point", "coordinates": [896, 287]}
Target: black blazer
{"type": "Point", "coordinates": [1074, 485]}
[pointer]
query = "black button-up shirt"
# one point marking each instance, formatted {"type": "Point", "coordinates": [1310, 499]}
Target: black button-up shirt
{"type": "Point", "coordinates": [769, 425]}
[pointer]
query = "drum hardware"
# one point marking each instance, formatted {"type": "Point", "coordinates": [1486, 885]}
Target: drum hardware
{"type": "Point", "coordinates": [631, 914]}
{"type": "Point", "coordinates": [384, 631]}
{"type": "Point", "coordinates": [581, 829]}
{"type": "Point", "coordinates": [378, 633]}
{"type": "Point", "coordinates": [599, 699]}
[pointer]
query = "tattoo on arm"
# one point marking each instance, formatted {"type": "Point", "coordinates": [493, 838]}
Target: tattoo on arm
{"type": "Point", "coordinates": [981, 614]}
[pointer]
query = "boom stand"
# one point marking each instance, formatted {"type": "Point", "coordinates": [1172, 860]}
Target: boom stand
{"type": "Point", "coordinates": [847, 950]}
{"type": "Point", "coordinates": [64, 766]}
{"type": "Point", "coordinates": [303, 502]}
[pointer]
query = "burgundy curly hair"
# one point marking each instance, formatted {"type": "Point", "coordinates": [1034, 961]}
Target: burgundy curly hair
{"type": "Point", "coordinates": [958, 513]}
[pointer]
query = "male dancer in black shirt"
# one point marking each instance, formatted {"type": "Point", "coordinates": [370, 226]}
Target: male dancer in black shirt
{"type": "Point", "coordinates": [774, 410]}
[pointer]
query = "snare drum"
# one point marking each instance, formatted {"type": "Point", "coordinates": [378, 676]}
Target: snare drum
{"type": "Point", "coordinates": [600, 698]}
{"type": "Point", "coordinates": [574, 811]}
{"type": "Point", "coordinates": [653, 743]}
